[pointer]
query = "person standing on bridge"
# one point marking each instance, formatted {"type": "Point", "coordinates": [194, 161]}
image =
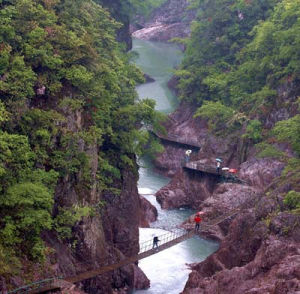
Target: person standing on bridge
{"type": "Point", "coordinates": [218, 160]}
{"type": "Point", "coordinates": [155, 242]}
{"type": "Point", "coordinates": [197, 220]}
{"type": "Point", "coordinates": [187, 155]}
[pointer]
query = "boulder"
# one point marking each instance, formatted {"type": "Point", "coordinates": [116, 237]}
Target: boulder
{"type": "Point", "coordinates": [171, 20]}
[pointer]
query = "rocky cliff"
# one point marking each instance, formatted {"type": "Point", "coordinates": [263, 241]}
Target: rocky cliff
{"type": "Point", "coordinates": [260, 254]}
{"type": "Point", "coordinates": [106, 236]}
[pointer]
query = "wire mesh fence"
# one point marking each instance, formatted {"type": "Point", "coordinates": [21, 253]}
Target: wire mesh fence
{"type": "Point", "coordinates": [162, 239]}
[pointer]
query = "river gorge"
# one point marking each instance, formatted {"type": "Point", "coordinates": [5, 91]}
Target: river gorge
{"type": "Point", "coordinates": [168, 270]}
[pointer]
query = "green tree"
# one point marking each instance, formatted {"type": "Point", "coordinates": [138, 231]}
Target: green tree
{"type": "Point", "coordinates": [253, 131]}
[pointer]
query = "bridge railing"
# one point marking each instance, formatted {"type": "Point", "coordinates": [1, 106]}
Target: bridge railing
{"type": "Point", "coordinates": [202, 167]}
{"type": "Point", "coordinates": [34, 286]}
{"type": "Point", "coordinates": [212, 170]}
{"type": "Point", "coordinates": [163, 239]}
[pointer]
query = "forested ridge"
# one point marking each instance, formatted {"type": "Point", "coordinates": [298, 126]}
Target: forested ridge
{"type": "Point", "coordinates": [66, 88]}
{"type": "Point", "coordinates": [241, 68]}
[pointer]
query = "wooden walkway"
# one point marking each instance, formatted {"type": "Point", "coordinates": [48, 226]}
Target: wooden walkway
{"type": "Point", "coordinates": [207, 169]}
{"type": "Point", "coordinates": [146, 249]}
{"type": "Point", "coordinates": [178, 140]}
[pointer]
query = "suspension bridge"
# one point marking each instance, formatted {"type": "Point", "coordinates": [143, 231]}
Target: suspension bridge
{"type": "Point", "coordinates": [173, 237]}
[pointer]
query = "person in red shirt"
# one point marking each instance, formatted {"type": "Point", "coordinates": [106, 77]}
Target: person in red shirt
{"type": "Point", "coordinates": [197, 220]}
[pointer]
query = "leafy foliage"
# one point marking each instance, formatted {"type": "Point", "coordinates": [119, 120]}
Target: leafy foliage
{"type": "Point", "coordinates": [67, 218]}
{"type": "Point", "coordinates": [292, 200]}
{"type": "Point", "coordinates": [289, 130]}
{"type": "Point", "coordinates": [216, 113]}
{"type": "Point", "coordinates": [253, 131]}
{"type": "Point", "coordinates": [268, 150]}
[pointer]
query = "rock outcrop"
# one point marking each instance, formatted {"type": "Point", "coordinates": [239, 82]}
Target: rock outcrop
{"type": "Point", "coordinates": [261, 172]}
{"type": "Point", "coordinates": [148, 213]}
{"type": "Point", "coordinates": [166, 22]}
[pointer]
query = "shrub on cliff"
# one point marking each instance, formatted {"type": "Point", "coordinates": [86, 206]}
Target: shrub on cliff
{"type": "Point", "coordinates": [26, 196]}
{"type": "Point", "coordinates": [289, 131]}
{"type": "Point", "coordinates": [292, 200]}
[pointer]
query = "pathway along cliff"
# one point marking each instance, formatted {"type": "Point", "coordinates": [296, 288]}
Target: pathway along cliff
{"type": "Point", "coordinates": [167, 270]}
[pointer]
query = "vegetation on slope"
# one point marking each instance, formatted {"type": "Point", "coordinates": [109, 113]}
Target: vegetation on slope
{"type": "Point", "coordinates": [241, 68]}
{"type": "Point", "coordinates": [65, 86]}
{"type": "Point", "coordinates": [239, 56]}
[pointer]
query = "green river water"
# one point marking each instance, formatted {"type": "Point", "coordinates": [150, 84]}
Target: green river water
{"type": "Point", "coordinates": [167, 270]}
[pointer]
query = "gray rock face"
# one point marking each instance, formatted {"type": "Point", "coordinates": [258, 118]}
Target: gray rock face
{"type": "Point", "coordinates": [260, 172]}
{"type": "Point", "coordinates": [185, 189]}
{"type": "Point", "coordinates": [225, 198]}
{"type": "Point", "coordinates": [167, 22]}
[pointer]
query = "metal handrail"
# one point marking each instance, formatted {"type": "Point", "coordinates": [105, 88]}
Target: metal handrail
{"type": "Point", "coordinates": [209, 169]}
{"type": "Point", "coordinates": [175, 233]}
{"type": "Point", "coordinates": [163, 239]}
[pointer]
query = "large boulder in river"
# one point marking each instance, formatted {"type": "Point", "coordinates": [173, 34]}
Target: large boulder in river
{"type": "Point", "coordinates": [185, 189]}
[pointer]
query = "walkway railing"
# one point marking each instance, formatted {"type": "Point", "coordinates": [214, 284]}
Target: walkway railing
{"type": "Point", "coordinates": [163, 239]}
{"type": "Point", "coordinates": [35, 286]}
{"type": "Point", "coordinates": [198, 166]}
{"type": "Point", "coordinates": [146, 249]}
{"type": "Point", "coordinates": [178, 139]}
